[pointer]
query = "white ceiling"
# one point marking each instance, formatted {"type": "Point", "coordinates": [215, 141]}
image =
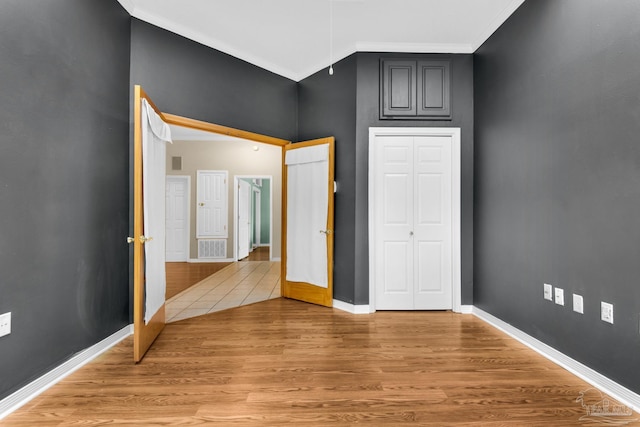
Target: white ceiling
{"type": "Point", "coordinates": [291, 37]}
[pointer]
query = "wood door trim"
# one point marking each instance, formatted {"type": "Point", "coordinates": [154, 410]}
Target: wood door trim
{"type": "Point", "coordinates": [223, 130]}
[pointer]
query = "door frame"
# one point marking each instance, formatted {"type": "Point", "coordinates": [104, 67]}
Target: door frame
{"type": "Point", "coordinates": [236, 178]}
{"type": "Point", "coordinates": [187, 179]}
{"type": "Point", "coordinates": [454, 133]}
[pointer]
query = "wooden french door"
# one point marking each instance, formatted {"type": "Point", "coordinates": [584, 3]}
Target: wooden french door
{"type": "Point", "coordinates": [144, 333]}
{"type": "Point", "coordinates": [304, 290]}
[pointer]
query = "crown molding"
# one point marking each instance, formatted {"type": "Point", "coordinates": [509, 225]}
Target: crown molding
{"type": "Point", "coordinates": [500, 19]}
{"type": "Point", "coordinates": [414, 47]}
{"type": "Point", "coordinates": [196, 36]}
{"type": "Point", "coordinates": [128, 6]}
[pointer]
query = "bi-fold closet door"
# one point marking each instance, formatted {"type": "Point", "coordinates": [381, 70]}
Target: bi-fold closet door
{"type": "Point", "coordinates": [413, 211]}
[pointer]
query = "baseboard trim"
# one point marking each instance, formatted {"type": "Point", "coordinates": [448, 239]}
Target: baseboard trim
{"type": "Point", "coordinates": [466, 309]}
{"type": "Point", "coordinates": [596, 379]}
{"type": "Point", "coordinates": [275, 259]}
{"type": "Point", "coordinates": [202, 260]}
{"type": "Point", "coordinates": [34, 388]}
{"type": "Point", "coordinates": [351, 308]}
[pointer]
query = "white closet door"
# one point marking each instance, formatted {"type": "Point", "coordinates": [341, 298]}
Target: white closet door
{"type": "Point", "coordinates": [394, 210]}
{"type": "Point", "coordinates": [432, 225]}
{"type": "Point", "coordinates": [413, 211]}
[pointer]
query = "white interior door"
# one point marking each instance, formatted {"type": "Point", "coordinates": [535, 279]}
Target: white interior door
{"type": "Point", "coordinates": [413, 211]}
{"type": "Point", "coordinates": [244, 218]}
{"type": "Point", "coordinates": [177, 218]}
{"type": "Point", "coordinates": [257, 219]}
{"type": "Point", "coordinates": [212, 213]}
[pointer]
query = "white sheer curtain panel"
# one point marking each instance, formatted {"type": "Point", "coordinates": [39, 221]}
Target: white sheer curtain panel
{"type": "Point", "coordinates": [307, 205]}
{"type": "Point", "coordinates": [155, 134]}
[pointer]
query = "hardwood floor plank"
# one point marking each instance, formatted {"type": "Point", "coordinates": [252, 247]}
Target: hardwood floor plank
{"type": "Point", "coordinates": [282, 362]}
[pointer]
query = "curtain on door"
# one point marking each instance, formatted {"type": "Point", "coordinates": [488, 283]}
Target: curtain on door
{"type": "Point", "coordinates": [155, 134]}
{"type": "Point", "coordinates": [307, 204]}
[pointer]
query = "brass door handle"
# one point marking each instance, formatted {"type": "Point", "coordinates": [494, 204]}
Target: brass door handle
{"type": "Point", "coordinates": [143, 239]}
{"type": "Point", "coordinates": [326, 232]}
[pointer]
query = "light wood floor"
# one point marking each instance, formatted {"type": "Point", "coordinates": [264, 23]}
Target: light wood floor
{"type": "Point", "coordinates": [258, 254]}
{"type": "Point", "coordinates": [183, 275]}
{"type": "Point", "coordinates": [283, 362]}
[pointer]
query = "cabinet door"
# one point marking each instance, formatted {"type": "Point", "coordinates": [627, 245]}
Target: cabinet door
{"type": "Point", "coordinates": [398, 88]}
{"type": "Point", "coordinates": [433, 96]}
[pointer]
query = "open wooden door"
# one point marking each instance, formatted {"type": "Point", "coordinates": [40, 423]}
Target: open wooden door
{"type": "Point", "coordinates": [303, 234]}
{"type": "Point", "coordinates": [144, 332]}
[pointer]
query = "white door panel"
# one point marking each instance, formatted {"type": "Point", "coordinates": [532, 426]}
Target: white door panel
{"type": "Point", "coordinates": [395, 211]}
{"type": "Point", "coordinates": [212, 191]}
{"type": "Point", "coordinates": [177, 219]}
{"type": "Point", "coordinates": [244, 214]}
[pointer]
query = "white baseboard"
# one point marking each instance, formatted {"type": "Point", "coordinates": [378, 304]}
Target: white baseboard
{"type": "Point", "coordinates": [201, 260]}
{"type": "Point", "coordinates": [350, 308]}
{"type": "Point", "coordinates": [604, 384]}
{"type": "Point", "coordinates": [275, 259]}
{"type": "Point", "coordinates": [34, 388]}
{"type": "Point", "coordinates": [466, 309]}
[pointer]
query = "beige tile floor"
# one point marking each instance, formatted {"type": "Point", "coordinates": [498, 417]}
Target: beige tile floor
{"type": "Point", "coordinates": [240, 283]}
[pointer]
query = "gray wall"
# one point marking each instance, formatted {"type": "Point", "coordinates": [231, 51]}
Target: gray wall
{"type": "Point", "coordinates": [64, 147]}
{"type": "Point", "coordinates": [368, 116]}
{"type": "Point", "coordinates": [557, 113]}
{"type": "Point", "coordinates": [188, 79]}
{"type": "Point", "coordinates": [327, 107]}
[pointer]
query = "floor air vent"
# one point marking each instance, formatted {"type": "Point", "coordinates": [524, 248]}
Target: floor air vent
{"type": "Point", "coordinates": [212, 248]}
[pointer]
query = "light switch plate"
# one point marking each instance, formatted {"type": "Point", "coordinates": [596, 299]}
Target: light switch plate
{"type": "Point", "coordinates": [578, 304]}
{"type": "Point", "coordinates": [548, 292]}
{"type": "Point", "coordinates": [559, 296]}
{"type": "Point", "coordinates": [606, 312]}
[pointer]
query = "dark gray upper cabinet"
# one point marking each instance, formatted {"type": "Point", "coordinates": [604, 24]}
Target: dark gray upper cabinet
{"type": "Point", "coordinates": [415, 89]}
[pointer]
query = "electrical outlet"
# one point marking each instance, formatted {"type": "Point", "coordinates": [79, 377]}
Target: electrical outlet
{"type": "Point", "coordinates": [559, 296]}
{"type": "Point", "coordinates": [578, 304]}
{"type": "Point", "coordinates": [606, 312]}
{"type": "Point", "coordinates": [5, 324]}
{"type": "Point", "coordinates": [548, 292]}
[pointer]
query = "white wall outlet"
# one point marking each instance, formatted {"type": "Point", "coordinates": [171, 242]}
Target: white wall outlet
{"type": "Point", "coordinates": [606, 312]}
{"type": "Point", "coordinates": [578, 304]}
{"type": "Point", "coordinates": [559, 296]}
{"type": "Point", "coordinates": [548, 292]}
{"type": "Point", "coordinates": [5, 324]}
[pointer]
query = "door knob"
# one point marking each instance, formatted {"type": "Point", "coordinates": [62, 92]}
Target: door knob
{"type": "Point", "coordinates": [411, 233]}
{"type": "Point", "coordinates": [200, 204]}
{"type": "Point", "coordinates": [144, 239]}
{"type": "Point", "coordinates": [326, 232]}
{"type": "Point", "coordinates": [130, 240]}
